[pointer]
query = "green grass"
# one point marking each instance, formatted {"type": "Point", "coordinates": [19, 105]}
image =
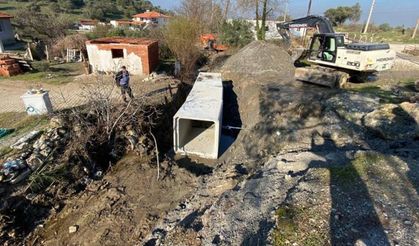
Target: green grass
{"type": "Point", "coordinates": [56, 74]}
{"type": "Point", "coordinates": [385, 96]}
{"type": "Point", "coordinates": [292, 228]}
{"type": "Point", "coordinates": [392, 36]}
{"type": "Point", "coordinates": [21, 123]}
{"type": "Point", "coordinates": [11, 7]}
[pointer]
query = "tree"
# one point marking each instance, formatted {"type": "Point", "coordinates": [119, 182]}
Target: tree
{"type": "Point", "coordinates": [385, 27]}
{"type": "Point", "coordinates": [39, 25]}
{"type": "Point", "coordinates": [181, 36]}
{"type": "Point", "coordinates": [339, 15]}
{"type": "Point", "coordinates": [208, 14]}
{"type": "Point", "coordinates": [262, 9]}
{"type": "Point", "coordinates": [355, 13]}
{"type": "Point", "coordinates": [236, 33]}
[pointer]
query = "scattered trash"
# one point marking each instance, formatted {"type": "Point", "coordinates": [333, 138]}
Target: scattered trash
{"type": "Point", "coordinates": [73, 229]}
{"type": "Point", "coordinates": [24, 141]}
{"type": "Point", "coordinates": [5, 131]}
{"type": "Point", "coordinates": [14, 171]}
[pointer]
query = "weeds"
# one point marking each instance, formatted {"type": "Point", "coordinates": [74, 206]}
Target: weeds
{"type": "Point", "coordinates": [293, 228]}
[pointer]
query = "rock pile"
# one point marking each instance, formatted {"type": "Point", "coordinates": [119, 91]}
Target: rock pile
{"type": "Point", "coordinates": [33, 151]}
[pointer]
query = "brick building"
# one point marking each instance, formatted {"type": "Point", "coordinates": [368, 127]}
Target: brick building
{"type": "Point", "coordinates": [139, 55]}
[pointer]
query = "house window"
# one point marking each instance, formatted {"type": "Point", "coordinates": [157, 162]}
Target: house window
{"type": "Point", "coordinates": [117, 53]}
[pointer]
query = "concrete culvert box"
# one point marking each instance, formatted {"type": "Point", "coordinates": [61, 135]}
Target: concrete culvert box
{"type": "Point", "coordinates": [197, 124]}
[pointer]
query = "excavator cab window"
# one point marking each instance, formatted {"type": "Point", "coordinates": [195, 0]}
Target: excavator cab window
{"type": "Point", "coordinates": [323, 48]}
{"type": "Point", "coordinates": [329, 49]}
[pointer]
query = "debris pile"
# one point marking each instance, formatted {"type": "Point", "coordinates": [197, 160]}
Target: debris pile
{"type": "Point", "coordinates": [76, 148]}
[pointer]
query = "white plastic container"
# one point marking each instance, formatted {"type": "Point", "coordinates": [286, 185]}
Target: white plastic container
{"type": "Point", "coordinates": [37, 104]}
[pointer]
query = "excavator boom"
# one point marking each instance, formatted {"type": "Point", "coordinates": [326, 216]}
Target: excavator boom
{"type": "Point", "coordinates": [322, 24]}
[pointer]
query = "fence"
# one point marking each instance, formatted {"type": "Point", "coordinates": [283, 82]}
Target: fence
{"type": "Point", "coordinates": [77, 93]}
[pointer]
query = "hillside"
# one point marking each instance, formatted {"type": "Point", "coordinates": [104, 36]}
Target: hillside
{"type": "Point", "coordinates": [76, 9]}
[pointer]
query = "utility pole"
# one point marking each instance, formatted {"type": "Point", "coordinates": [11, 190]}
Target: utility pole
{"type": "Point", "coordinates": [309, 8]}
{"type": "Point", "coordinates": [416, 28]}
{"type": "Point", "coordinates": [369, 17]}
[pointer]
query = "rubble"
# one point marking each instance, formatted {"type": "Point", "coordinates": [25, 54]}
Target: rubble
{"type": "Point", "coordinates": [24, 141]}
{"type": "Point", "coordinates": [4, 132]}
{"type": "Point", "coordinates": [14, 171]}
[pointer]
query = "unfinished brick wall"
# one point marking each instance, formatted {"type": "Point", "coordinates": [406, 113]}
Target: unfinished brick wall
{"type": "Point", "coordinates": [147, 52]}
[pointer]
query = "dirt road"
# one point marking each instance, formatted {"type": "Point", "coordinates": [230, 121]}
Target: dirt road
{"type": "Point", "coordinates": [66, 95]}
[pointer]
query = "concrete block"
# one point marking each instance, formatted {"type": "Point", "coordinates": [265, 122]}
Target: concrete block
{"type": "Point", "coordinates": [197, 124]}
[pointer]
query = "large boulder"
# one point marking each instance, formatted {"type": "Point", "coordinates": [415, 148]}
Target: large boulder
{"type": "Point", "coordinates": [259, 62]}
{"type": "Point", "coordinates": [392, 122]}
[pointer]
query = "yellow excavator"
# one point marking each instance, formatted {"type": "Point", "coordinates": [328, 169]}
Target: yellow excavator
{"type": "Point", "coordinates": [332, 60]}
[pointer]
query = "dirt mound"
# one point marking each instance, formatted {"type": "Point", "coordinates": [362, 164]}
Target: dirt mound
{"type": "Point", "coordinates": [260, 62]}
{"type": "Point", "coordinates": [255, 67]}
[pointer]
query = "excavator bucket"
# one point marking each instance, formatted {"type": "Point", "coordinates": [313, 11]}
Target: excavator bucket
{"type": "Point", "coordinates": [322, 76]}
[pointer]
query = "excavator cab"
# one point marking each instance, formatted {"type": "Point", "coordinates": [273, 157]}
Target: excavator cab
{"type": "Point", "coordinates": [324, 47]}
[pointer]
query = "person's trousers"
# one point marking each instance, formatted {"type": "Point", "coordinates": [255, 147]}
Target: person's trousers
{"type": "Point", "coordinates": [126, 90]}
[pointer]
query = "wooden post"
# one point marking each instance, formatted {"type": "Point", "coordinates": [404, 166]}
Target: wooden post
{"type": "Point", "coordinates": [46, 52]}
{"type": "Point", "coordinates": [416, 29]}
{"type": "Point", "coordinates": [30, 52]}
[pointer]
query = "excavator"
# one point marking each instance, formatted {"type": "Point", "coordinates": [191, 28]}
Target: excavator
{"type": "Point", "coordinates": [333, 61]}
{"type": "Point", "coordinates": [209, 42]}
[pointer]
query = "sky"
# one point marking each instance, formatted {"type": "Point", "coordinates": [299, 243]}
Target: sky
{"type": "Point", "coordinates": [394, 12]}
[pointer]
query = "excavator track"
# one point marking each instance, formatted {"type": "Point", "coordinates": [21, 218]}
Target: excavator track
{"type": "Point", "coordinates": [323, 76]}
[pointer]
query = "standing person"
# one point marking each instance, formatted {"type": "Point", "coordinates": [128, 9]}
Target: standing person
{"type": "Point", "coordinates": [122, 80]}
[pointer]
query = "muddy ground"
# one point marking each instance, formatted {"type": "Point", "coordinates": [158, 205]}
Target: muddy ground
{"type": "Point", "coordinates": [120, 209]}
{"type": "Point", "coordinates": [304, 170]}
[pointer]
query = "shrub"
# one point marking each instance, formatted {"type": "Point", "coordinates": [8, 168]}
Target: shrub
{"type": "Point", "coordinates": [41, 66]}
{"type": "Point", "coordinates": [236, 33]}
{"type": "Point", "coordinates": [181, 36]}
{"type": "Point", "coordinates": [384, 27]}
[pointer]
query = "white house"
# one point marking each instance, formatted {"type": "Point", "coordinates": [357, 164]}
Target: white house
{"type": "Point", "coordinates": [88, 24]}
{"type": "Point", "coordinates": [151, 17]}
{"type": "Point", "coordinates": [130, 24]}
{"type": "Point", "coordinates": [270, 26]}
{"type": "Point", "coordinates": [6, 29]}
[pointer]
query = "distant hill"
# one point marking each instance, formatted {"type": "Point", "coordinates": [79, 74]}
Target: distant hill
{"type": "Point", "coordinates": [93, 9]}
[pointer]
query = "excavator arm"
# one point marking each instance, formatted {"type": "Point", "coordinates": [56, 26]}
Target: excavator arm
{"type": "Point", "coordinates": [322, 24]}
